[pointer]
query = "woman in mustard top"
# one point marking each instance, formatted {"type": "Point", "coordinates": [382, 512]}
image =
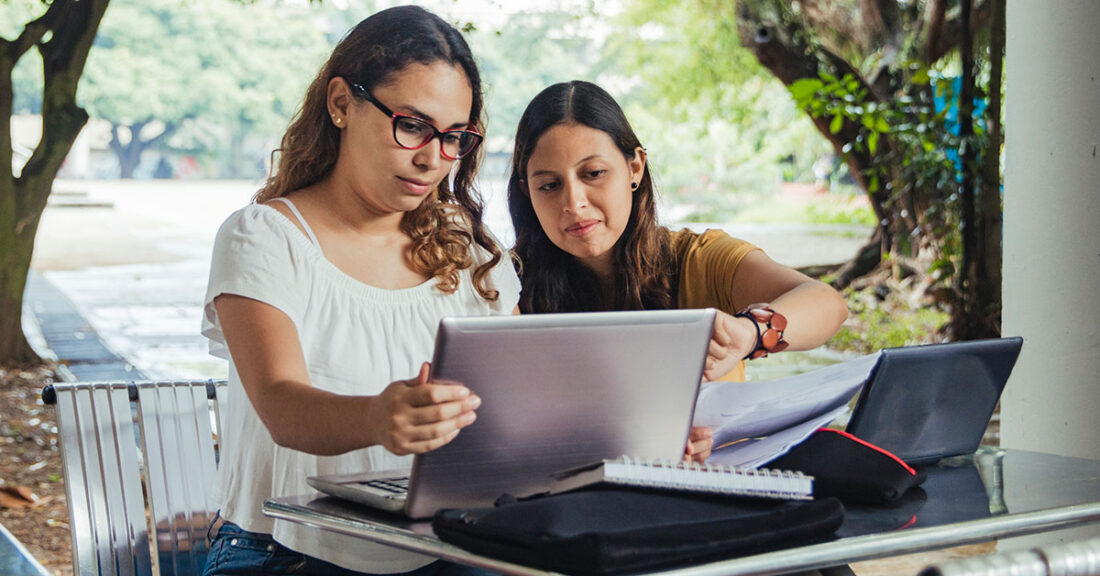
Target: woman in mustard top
{"type": "Point", "coordinates": [583, 205]}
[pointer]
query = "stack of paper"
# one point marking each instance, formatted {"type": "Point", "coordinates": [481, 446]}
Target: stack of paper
{"type": "Point", "coordinates": [756, 422]}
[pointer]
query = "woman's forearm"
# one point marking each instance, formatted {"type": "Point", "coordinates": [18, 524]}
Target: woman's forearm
{"type": "Point", "coordinates": [814, 312]}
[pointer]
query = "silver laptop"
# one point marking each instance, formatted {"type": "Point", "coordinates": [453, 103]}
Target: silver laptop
{"type": "Point", "coordinates": [926, 403]}
{"type": "Point", "coordinates": [558, 391]}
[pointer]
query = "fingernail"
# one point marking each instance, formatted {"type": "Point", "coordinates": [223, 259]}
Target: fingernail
{"type": "Point", "coordinates": [468, 418]}
{"type": "Point", "coordinates": [473, 402]}
{"type": "Point", "coordinates": [463, 392]}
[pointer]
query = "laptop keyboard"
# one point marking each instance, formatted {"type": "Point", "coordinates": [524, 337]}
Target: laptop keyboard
{"type": "Point", "coordinates": [391, 485]}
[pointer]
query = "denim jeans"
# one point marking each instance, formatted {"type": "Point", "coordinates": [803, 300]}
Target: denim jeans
{"type": "Point", "coordinates": [237, 551]}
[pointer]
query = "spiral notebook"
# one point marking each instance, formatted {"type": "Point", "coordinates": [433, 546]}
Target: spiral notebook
{"type": "Point", "coordinates": [688, 477]}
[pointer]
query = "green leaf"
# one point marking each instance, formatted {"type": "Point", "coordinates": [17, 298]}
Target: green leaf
{"type": "Point", "coordinates": [881, 125]}
{"type": "Point", "coordinates": [805, 89]}
{"type": "Point", "coordinates": [872, 142]}
{"type": "Point", "coordinates": [836, 124]}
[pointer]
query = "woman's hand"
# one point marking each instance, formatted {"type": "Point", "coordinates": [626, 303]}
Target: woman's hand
{"type": "Point", "coordinates": [733, 339]}
{"type": "Point", "coordinates": [700, 443]}
{"type": "Point", "coordinates": [418, 415]}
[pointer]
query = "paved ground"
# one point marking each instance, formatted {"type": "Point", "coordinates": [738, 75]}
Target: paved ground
{"type": "Point", "coordinates": [125, 263]}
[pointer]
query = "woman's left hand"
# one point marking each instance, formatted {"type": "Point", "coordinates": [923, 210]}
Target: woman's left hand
{"type": "Point", "coordinates": [700, 443]}
{"type": "Point", "coordinates": [733, 338]}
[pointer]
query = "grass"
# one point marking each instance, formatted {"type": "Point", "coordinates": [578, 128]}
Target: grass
{"type": "Point", "coordinates": [815, 209]}
{"type": "Point", "coordinates": [873, 325]}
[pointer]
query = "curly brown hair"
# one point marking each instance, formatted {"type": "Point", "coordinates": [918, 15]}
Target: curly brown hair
{"type": "Point", "coordinates": [552, 279]}
{"type": "Point", "coordinates": [445, 225]}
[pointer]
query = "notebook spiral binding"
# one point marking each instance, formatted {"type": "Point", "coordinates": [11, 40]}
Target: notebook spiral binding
{"type": "Point", "coordinates": [716, 478]}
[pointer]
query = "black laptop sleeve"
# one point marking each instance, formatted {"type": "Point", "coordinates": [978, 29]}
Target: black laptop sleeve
{"type": "Point", "coordinates": [603, 531]}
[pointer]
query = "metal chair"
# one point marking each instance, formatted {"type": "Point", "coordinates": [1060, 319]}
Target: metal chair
{"type": "Point", "coordinates": [128, 448]}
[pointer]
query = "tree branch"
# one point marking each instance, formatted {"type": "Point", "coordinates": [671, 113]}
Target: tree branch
{"type": "Point", "coordinates": [951, 34]}
{"type": "Point", "coordinates": [169, 129]}
{"type": "Point", "coordinates": [934, 22]}
{"type": "Point", "coordinates": [63, 59]}
{"type": "Point", "coordinates": [116, 142]}
{"type": "Point", "coordinates": [874, 23]}
{"type": "Point", "coordinates": [34, 30]}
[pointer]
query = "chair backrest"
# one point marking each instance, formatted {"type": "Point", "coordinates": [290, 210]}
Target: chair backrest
{"type": "Point", "coordinates": [121, 440]}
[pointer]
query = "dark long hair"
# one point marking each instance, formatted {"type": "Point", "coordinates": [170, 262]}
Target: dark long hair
{"type": "Point", "coordinates": [553, 280]}
{"type": "Point", "coordinates": [376, 49]}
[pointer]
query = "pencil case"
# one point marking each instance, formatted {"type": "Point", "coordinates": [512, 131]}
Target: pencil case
{"type": "Point", "coordinates": [850, 469]}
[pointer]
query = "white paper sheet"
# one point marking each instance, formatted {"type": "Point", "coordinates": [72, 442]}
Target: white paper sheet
{"type": "Point", "coordinates": [771, 416]}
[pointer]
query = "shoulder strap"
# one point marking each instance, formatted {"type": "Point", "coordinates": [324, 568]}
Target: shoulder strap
{"type": "Point", "coordinates": [301, 220]}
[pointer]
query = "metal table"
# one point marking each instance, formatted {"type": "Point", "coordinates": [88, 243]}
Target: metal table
{"type": "Point", "coordinates": [993, 494]}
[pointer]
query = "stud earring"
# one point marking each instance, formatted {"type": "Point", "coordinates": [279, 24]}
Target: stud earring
{"type": "Point", "coordinates": [633, 185]}
{"type": "Point", "coordinates": [336, 119]}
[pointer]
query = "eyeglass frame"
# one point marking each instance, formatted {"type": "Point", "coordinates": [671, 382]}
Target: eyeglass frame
{"type": "Point", "coordinates": [363, 93]}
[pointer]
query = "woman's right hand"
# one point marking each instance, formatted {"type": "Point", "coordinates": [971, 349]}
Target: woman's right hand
{"type": "Point", "coordinates": [732, 339]}
{"type": "Point", "coordinates": [420, 415]}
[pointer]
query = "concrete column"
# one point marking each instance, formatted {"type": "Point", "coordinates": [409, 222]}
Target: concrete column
{"type": "Point", "coordinates": [1052, 226]}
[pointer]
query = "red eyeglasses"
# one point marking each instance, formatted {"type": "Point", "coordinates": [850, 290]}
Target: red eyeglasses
{"type": "Point", "coordinates": [412, 133]}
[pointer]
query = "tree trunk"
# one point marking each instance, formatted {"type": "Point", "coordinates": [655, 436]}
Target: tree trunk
{"type": "Point", "coordinates": [961, 314]}
{"type": "Point", "coordinates": [64, 37]}
{"type": "Point", "coordinates": [786, 43]}
{"type": "Point", "coordinates": [990, 211]}
{"type": "Point", "coordinates": [16, 248]}
{"type": "Point", "coordinates": [865, 261]}
{"type": "Point", "coordinates": [970, 315]}
{"type": "Point", "coordinates": [777, 45]}
{"type": "Point", "coordinates": [129, 159]}
{"type": "Point", "coordinates": [129, 154]}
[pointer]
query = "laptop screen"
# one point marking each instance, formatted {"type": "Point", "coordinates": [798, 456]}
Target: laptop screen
{"type": "Point", "coordinates": [925, 403]}
{"type": "Point", "coordinates": [560, 391]}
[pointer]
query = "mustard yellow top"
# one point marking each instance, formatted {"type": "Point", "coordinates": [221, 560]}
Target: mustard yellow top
{"type": "Point", "coordinates": [708, 262]}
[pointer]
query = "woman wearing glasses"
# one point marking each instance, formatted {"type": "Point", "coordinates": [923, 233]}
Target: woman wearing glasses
{"type": "Point", "coordinates": [325, 293]}
{"type": "Point", "coordinates": [583, 205]}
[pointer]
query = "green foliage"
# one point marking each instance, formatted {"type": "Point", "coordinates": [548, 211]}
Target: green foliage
{"type": "Point", "coordinates": [14, 14]}
{"type": "Point", "coordinates": [873, 325]}
{"type": "Point", "coordinates": [720, 131]}
{"type": "Point", "coordinates": [845, 100]}
{"type": "Point", "coordinates": [831, 208]}
{"type": "Point", "coordinates": [211, 67]}
{"type": "Point", "coordinates": [526, 53]}
{"type": "Point", "coordinates": [689, 51]}
{"type": "Point", "coordinates": [921, 160]}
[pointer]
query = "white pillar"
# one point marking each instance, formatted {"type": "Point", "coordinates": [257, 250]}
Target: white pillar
{"type": "Point", "coordinates": [1052, 226]}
